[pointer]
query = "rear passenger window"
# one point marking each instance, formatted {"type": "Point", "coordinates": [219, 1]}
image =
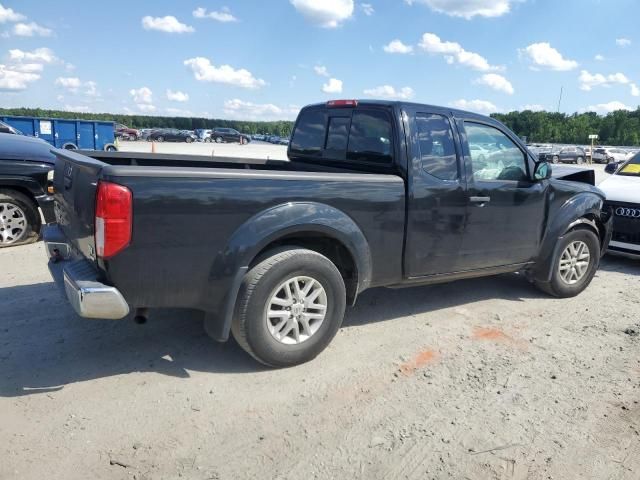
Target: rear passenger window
{"type": "Point", "coordinates": [437, 149]}
{"type": "Point", "coordinates": [308, 137]}
{"type": "Point", "coordinates": [370, 137]}
{"type": "Point", "coordinates": [338, 135]}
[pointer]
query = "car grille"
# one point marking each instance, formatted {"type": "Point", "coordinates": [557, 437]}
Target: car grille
{"type": "Point", "coordinates": [626, 222]}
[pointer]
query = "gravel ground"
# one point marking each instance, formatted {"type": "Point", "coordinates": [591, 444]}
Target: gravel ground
{"type": "Point", "coordinates": [478, 379]}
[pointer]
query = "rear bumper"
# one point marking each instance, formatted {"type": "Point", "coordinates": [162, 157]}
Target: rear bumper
{"type": "Point", "coordinates": [89, 297]}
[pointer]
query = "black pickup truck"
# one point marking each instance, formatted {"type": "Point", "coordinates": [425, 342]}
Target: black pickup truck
{"type": "Point", "coordinates": [375, 194]}
{"type": "Point", "coordinates": [26, 169]}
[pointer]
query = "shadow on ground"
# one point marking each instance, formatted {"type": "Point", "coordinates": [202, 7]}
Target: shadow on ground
{"type": "Point", "coordinates": [44, 345]}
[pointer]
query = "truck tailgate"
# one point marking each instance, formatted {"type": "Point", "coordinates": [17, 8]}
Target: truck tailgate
{"type": "Point", "coordinates": [75, 181]}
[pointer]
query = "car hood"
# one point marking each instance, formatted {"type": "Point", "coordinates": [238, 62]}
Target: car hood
{"type": "Point", "coordinates": [621, 188]}
{"type": "Point", "coordinates": [20, 147]}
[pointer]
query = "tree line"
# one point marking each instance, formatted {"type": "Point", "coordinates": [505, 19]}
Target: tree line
{"type": "Point", "coordinates": [282, 128]}
{"type": "Point", "coordinates": [621, 127]}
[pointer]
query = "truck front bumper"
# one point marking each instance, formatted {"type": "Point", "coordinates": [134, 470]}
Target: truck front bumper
{"type": "Point", "coordinates": [88, 296]}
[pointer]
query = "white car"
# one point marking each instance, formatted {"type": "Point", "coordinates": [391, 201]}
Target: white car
{"type": "Point", "coordinates": [616, 154]}
{"type": "Point", "coordinates": [623, 194]}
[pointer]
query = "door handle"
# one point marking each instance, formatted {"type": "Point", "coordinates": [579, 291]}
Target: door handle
{"type": "Point", "coordinates": [479, 199]}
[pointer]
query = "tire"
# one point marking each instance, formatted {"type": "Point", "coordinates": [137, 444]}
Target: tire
{"type": "Point", "coordinates": [555, 159]}
{"type": "Point", "coordinates": [218, 139]}
{"type": "Point", "coordinates": [188, 139]}
{"type": "Point", "coordinates": [70, 146]}
{"type": "Point", "coordinates": [13, 207]}
{"type": "Point", "coordinates": [110, 147]}
{"type": "Point", "coordinates": [263, 283]}
{"type": "Point", "coordinates": [579, 161]}
{"type": "Point", "coordinates": [559, 287]}
{"type": "Point", "coordinates": [243, 141]}
{"type": "Point", "coordinates": [160, 139]}
{"type": "Point", "coordinates": [207, 140]}
{"type": "Point", "coordinates": [133, 138]}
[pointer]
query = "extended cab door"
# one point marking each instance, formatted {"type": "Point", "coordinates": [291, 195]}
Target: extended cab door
{"type": "Point", "coordinates": [506, 208]}
{"type": "Point", "coordinates": [436, 194]}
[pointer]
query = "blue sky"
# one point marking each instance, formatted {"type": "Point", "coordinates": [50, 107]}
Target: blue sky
{"type": "Point", "coordinates": [257, 59]}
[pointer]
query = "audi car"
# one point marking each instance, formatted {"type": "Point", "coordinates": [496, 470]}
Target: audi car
{"type": "Point", "coordinates": [623, 195]}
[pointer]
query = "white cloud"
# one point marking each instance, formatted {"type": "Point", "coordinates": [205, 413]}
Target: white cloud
{"type": "Point", "coordinates": [12, 79]}
{"type": "Point", "coordinates": [599, 58]}
{"type": "Point", "coordinates": [177, 96]}
{"type": "Point", "coordinates": [239, 109]}
{"type": "Point", "coordinates": [168, 24]}
{"type": "Point", "coordinates": [623, 42]}
{"type": "Point", "coordinates": [224, 15]}
{"type": "Point", "coordinates": [535, 107]}
{"type": "Point", "coordinates": [142, 95]}
{"type": "Point", "coordinates": [39, 55]}
{"type": "Point", "coordinates": [588, 80]}
{"type": "Point", "coordinates": [480, 106]}
{"type": "Point", "coordinates": [70, 83]}
{"type": "Point", "coordinates": [146, 107]}
{"type": "Point", "coordinates": [368, 9]}
{"type": "Point", "coordinates": [454, 53]}
{"type": "Point", "coordinates": [205, 71]}
{"type": "Point", "coordinates": [74, 84]}
{"type": "Point", "coordinates": [31, 29]}
{"type": "Point", "coordinates": [321, 70]}
{"type": "Point", "coordinates": [332, 86]}
{"type": "Point", "coordinates": [543, 55]}
{"type": "Point", "coordinates": [28, 67]}
{"type": "Point", "coordinates": [9, 15]}
{"type": "Point", "coordinates": [396, 46]}
{"type": "Point", "coordinates": [325, 13]}
{"type": "Point", "coordinates": [497, 82]}
{"type": "Point", "coordinates": [607, 107]}
{"type": "Point", "coordinates": [389, 92]}
{"type": "Point", "coordinates": [635, 91]}
{"type": "Point", "coordinates": [468, 8]}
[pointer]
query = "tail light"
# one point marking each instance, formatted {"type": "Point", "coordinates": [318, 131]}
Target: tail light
{"type": "Point", "coordinates": [113, 219]}
{"type": "Point", "coordinates": [342, 103]}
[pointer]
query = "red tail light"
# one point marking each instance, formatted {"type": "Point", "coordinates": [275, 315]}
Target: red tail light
{"type": "Point", "coordinates": [342, 103]}
{"type": "Point", "coordinates": [113, 219]}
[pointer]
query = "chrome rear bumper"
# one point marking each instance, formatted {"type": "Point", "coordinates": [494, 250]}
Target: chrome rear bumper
{"type": "Point", "coordinates": [89, 297]}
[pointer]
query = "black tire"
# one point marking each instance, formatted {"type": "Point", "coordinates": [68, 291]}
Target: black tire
{"type": "Point", "coordinates": [555, 159]}
{"type": "Point", "coordinates": [557, 286]}
{"type": "Point", "coordinates": [160, 139]}
{"type": "Point", "coordinates": [188, 139]}
{"type": "Point", "coordinates": [218, 139]}
{"type": "Point", "coordinates": [249, 326]}
{"type": "Point", "coordinates": [207, 140]}
{"type": "Point", "coordinates": [579, 161]}
{"type": "Point", "coordinates": [70, 146]}
{"type": "Point", "coordinates": [31, 231]}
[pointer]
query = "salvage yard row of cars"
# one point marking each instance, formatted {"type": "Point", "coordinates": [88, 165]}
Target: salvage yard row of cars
{"type": "Point", "coordinates": [217, 135]}
{"type": "Point", "coordinates": [580, 155]}
{"type": "Point", "coordinates": [374, 193]}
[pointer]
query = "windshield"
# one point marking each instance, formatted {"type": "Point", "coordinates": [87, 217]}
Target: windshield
{"type": "Point", "coordinates": [631, 168]}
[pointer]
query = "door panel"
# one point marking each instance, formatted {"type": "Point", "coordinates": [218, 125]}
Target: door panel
{"type": "Point", "coordinates": [506, 211]}
{"type": "Point", "coordinates": [437, 195]}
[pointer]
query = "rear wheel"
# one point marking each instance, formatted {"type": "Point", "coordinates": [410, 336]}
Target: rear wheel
{"type": "Point", "coordinates": [19, 219]}
{"type": "Point", "coordinates": [289, 307]}
{"type": "Point", "coordinates": [218, 139]}
{"type": "Point", "coordinates": [160, 139]}
{"type": "Point", "coordinates": [575, 265]}
{"type": "Point", "coordinates": [555, 159]}
{"type": "Point", "coordinates": [188, 139]}
{"type": "Point", "coordinates": [580, 161]}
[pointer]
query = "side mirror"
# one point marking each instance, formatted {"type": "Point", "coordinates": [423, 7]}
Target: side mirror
{"type": "Point", "coordinates": [543, 171]}
{"type": "Point", "coordinates": [611, 167]}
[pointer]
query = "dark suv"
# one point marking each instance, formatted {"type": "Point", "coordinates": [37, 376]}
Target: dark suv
{"type": "Point", "coordinates": [224, 135]}
{"type": "Point", "coordinates": [172, 135]}
{"type": "Point", "coordinates": [565, 154]}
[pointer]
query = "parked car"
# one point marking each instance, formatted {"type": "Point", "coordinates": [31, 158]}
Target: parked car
{"type": "Point", "coordinates": [273, 139]}
{"type": "Point", "coordinates": [273, 251]}
{"type": "Point", "coordinates": [599, 155]}
{"type": "Point", "coordinates": [226, 135]}
{"type": "Point", "coordinates": [203, 134]}
{"type": "Point", "coordinates": [284, 141]}
{"type": "Point", "coordinates": [569, 154]}
{"type": "Point", "coordinates": [171, 135]}
{"type": "Point", "coordinates": [145, 132]}
{"type": "Point", "coordinates": [623, 197]}
{"type": "Point", "coordinates": [125, 133]}
{"type": "Point", "coordinates": [26, 173]}
{"type": "Point", "coordinates": [613, 154]}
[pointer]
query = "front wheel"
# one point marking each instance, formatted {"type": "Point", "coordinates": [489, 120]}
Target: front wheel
{"type": "Point", "coordinates": [576, 262]}
{"type": "Point", "coordinates": [160, 139]}
{"type": "Point", "coordinates": [289, 307]}
{"type": "Point", "coordinates": [188, 139]}
{"type": "Point", "coordinates": [580, 161]}
{"type": "Point", "coordinates": [218, 139]}
{"type": "Point", "coordinates": [555, 159]}
{"type": "Point", "coordinates": [19, 219]}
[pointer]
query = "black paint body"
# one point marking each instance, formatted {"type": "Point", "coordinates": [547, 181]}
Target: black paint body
{"type": "Point", "coordinates": [199, 223]}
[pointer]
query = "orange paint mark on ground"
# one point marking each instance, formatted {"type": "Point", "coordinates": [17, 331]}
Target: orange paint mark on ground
{"type": "Point", "coordinates": [484, 333]}
{"type": "Point", "coordinates": [419, 360]}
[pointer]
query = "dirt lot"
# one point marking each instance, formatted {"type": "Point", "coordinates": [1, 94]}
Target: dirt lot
{"type": "Point", "coordinates": [477, 379]}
